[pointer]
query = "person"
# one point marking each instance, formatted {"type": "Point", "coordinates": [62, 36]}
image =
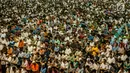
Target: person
{"type": "Point", "coordinates": [28, 66]}
{"type": "Point", "coordinates": [121, 70]}
{"type": "Point", "coordinates": [21, 44]}
{"type": "Point", "coordinates": [10, 51]}
{"type": "Point", "coordinates": [111, 60]}
{"type": "Point", "coordinates": [43, 68]}
{"type": "Point", "coordinates": [71, 68]}
{"type": "Point", "coordinates": [34, 67]}
{"type": "Point", "coordinates": [124, 57]}
{"type": "Point", "coordinates": [104, 66]}
{"type": "Point", "coordinates": [95, 51]}
{"type": "Point", "coordinates": [87, 69]}
{"type": "Point", "coordinates": [3, 63]}
{"type": "Point", "coordinates": [127, 65]}
{"type": "Point", "coordinates": [52, 70]}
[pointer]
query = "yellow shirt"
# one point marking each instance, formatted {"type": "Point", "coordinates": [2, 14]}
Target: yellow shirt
{"type": "Point", "coordinates": [95, 51]}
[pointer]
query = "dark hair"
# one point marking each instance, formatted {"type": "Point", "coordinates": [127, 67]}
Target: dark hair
{"type": "Point", "coordinates": [93, 71]}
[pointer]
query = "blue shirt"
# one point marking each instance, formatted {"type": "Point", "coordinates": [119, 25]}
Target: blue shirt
{"type": "Point", "coordinates": [43, 70]}
{"type": "Point", "coordinates": [17, 28]}
{"type": "Point", "coordinates": [34, 32]}
{"type": "Point", "coordinates": [56, 49]}
{"type": "Point", "coordinates": [114, 48]}
{"type": "Point", "coordinates": [90, 38]}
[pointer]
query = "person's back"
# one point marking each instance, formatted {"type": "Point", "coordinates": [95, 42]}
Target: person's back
{"type": "Point", "coordinates": [35, 67]}
{"type": "Point", "coordinates": [10, 50]}
{"type": "Point", "coordinates": [21, 44]}
{"type": "Point", "coordinates": [28, 67]}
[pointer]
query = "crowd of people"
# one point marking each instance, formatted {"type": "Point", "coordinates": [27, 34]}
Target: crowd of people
{"type": "Point", "coordinates": [65, 36]}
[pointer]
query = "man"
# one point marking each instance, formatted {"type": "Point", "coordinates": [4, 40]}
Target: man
{"type": "Point", "coordinates": [21, 45]}
{"type": "Point", "coordinates": [28, 66]}
{"type": "Point", "coordinates": [111, 60]}
{"type": "Point", "coordinates": [35, 67]}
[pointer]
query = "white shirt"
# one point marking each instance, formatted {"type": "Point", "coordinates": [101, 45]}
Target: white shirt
{"type": "Point", "coordinates": [9, 58]}
{"type": "Point", "coordinates": [69, 31]}
{"type": "Point", "coordinates": [67, 38]}
{"type": "Point", "coordinates": [78, 53]}
{"type": "Point", "coordinates": [95, 66]}
{"type": "Point", "coordinates": [62, 64]}
{"type": "Point", "coordinates": [23, 71]}
{"type": "Point", "coordinates": [35, 37]}
{"type": "Point", "coordinates": [55, 27]}
{"type": "Point", "coordinates": [21, 37]}
{"type": "Point", "coordinates": [103, 66]}
{"type": "Point", "coordinates": [1, 47]}
{"type": "Point", "coordinates": [125, 41]}
{"type": "Point", "coordinates": [16, 44]}
{"type": "Point", "coordinates": [61, 33]}
{"type": "Point", "coordinates": [63, 56]}
{"type": "Point", "coordinates": [59, 57]}
{"type": "Point", "coordinates": [110, 48]}
{"type": "Point", "coordinates": [96, 39]}
{"type": "Point", "coordinates": [21, 54]}
{"type": "Point", "coordinates": [3, 35]}
{"type": "Point", "coordinates": [66, 65]}
{"type": "Point", "coordinates": [111, 60]}
{"type": "Point", "coordinates": [38, 43]}
{"type": "Point", "coordinates": [55, 21]}
{"type": "Point", "coordinates": [91, 43]}
{"type": "Point", "coordinates": [30, 48]}
{"type": "Point", "coordinates": [3, 57]}
{"type": "Point", "coordinates": [25, 34]}
{"type": "Point", "coordinates": [65, 26]}
{"type": "Point", "coordinates": [123, 57]}
{"type": "Point", "coordinates": [29, 41]}
{"type": "Point", "coordinates": [4, 42]}
{"type": "Point", "coordinates": [68, 51]}
{"type": "Point", "coordinates": [5, 30]}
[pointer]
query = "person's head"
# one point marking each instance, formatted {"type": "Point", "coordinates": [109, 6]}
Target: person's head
{"type": "Point", "coordinates": [62, 70]}
{"type": "Point", "coordinates": [128, 60]}
{"type": "Point", "coordinates": [14, 68]}
{"type": "Point", "coordinates": [34, 62]}
{"type": "Point", "coordinates": [53, 68]}
{"type": "Point", "coordinates": [110, 56]}
{"type": "Point", "coordinates": [71, 64]}
{"type": "Point", "coordinates": [93, 71]}
{"type": "Point", "coordinates": [104, 61]}
{"type": "Point", "coordinates": [102, 71]}
{"type": "Point", "coordinates": [21, 40]}
{"type": "Point", "coordinates": [121, 68]}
